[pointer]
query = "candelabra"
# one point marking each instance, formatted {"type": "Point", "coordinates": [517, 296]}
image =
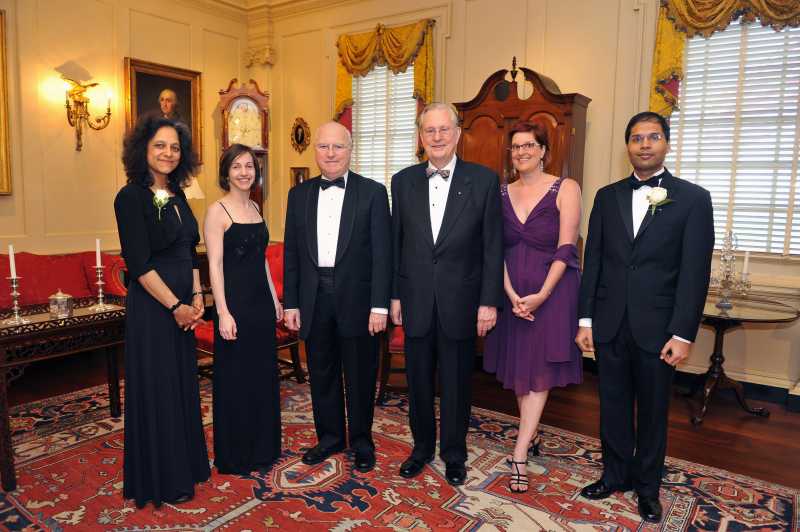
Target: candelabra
{"type": "Point", "coordinates": [16, 319]}
{"type": "Point", "coordinates": [725, 279]}
{"type": "Point", "coordinates": [100, 306]}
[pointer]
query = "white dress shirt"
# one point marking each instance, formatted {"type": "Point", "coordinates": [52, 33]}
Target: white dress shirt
{"type": "Point", "coordinates": [329, 217]}
{"type": "Point", "coordinates": [438, 189]}
{"type": "Point", "coordinates": [639, 206]}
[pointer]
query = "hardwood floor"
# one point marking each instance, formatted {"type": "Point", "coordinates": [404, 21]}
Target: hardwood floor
{"type": "Point", "coordinates": [729, 438]}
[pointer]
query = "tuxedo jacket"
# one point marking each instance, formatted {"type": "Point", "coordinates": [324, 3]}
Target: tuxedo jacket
{"type": "Point", "coordinates": [463, 268]}
{"type": "Point", "coordinates": [362, 271]}
{"type": "Point", "coordinates": [658, 277]}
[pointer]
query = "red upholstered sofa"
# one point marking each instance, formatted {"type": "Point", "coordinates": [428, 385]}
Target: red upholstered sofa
{"type": "Point", "coordinates": [74, 273]}
{"type": "Point", "coordinates": [285, 339]}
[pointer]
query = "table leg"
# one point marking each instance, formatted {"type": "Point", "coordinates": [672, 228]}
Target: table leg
{"type": "Point", "coordinates": [113, 381]}
{"type": "Point", "coordinates": [9, 477]}
{"type": "Point", "coordinates": [715, 379]}
{"type": "Point", "coordinates": [726, 383]}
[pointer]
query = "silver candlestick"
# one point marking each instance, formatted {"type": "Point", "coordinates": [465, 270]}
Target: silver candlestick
{"type": "Point", "coordinates": [726, 280]}
{"type": "Point", "coordinates": [16, 319]}
{"type": "Point", "coordinates": [100, 306]}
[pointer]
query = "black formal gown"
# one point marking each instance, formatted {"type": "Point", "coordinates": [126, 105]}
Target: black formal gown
{"type": "Point", "coordinates": [165, 447]}
{"type": "Point", "coordinates": [247, 414]}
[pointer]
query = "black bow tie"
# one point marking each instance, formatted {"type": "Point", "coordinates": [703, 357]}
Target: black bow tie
{"type": "Point", "coordinates": [430, 172]}
{"type": "Point", "coordinates": [325, 183]}
{"type": "Point", "coordinates": [636, 184]}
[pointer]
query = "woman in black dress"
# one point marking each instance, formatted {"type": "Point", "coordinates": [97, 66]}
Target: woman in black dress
{"type": "Point", "coordinates": [165, 447]}
{"type": "Point", "coordinates": [247, 419]}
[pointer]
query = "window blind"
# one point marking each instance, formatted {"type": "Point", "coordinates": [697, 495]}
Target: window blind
{"type": "Point", "coordinates": [735, 132]}
{"type": "Point", "coordinates": [384, 132]}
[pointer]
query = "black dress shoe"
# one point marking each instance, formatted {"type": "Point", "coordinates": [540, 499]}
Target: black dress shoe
{"type": "Point", "coordinates": [455, 473]}
{"type": "Point", "coordinates": [318, 454]}
{"type": "Point", "coordinates": [414, 466]}
{"type": "Point", "coordinates": [182, 498]}
{"type": "Point", "coordinates": [650, 509]}
{"type": "Point", "coordinates": [364, 461]}
{"type": "Point", "coordinates": [600, 490]}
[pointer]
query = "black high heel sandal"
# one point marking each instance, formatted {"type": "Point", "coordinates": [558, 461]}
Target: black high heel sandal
{"type": "Point", "coordinates": [533, 448]}
{"type": "Point", "coordinates": [518, 483]}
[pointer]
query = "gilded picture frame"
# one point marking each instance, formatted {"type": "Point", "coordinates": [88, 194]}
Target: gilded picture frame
{"type": "Point", "coordinates": [146, 83]}
{"type": "Point", "coordinates": [5, 142]}
{"type": "Point", "coordinates": [299, 174]}
{"type": "Point", "coordinates": [300, 135]}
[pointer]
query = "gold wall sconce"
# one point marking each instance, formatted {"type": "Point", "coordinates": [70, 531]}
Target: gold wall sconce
{"type": "Point", "coordinates": [77, 104]}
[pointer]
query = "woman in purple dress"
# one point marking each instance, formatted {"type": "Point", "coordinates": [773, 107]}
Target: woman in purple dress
{"type": "Point", "coordinates": [532, 349]}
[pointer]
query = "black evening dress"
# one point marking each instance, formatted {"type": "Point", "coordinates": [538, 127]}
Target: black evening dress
{"type": "Point", "coordinates": [165, 447]}
{"type": "Point", "coordinates": [247, 417]}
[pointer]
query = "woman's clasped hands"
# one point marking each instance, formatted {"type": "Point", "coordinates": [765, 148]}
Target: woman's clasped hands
{"type": "Point", "coordinates": [524, 307]}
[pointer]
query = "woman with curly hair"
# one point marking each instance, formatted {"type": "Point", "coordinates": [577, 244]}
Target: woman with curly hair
{"type": "Point", "coordinates": [165, 448]}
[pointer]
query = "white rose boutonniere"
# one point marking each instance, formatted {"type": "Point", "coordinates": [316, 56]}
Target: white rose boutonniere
{"type": "Point", "coordinates": [657, 197]}
{"type": "Point", "coordinates": [160, 198]}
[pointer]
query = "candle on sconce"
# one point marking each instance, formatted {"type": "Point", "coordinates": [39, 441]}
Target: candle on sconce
{"type": "Point", "coordinates": [746, 265]}
{"type": "Point", "coordinates": [97, 252]}
{"type": "Point", "coordinates": [11, 263]}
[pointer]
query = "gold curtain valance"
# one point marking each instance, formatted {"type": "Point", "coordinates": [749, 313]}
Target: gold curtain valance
{"type": "Point", "coordinates": [396, 47]}
{"type": "Point", "coordinates": [707, 16]}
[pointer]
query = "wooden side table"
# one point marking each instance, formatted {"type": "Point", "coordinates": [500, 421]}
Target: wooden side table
{"type": "Point", "coordinates": [743, 311]}
{"type": "Point", "coordinates": [44, 338]}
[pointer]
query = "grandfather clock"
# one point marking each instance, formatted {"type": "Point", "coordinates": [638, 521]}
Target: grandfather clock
{"type": "Point", "coordinates": [245, 120]}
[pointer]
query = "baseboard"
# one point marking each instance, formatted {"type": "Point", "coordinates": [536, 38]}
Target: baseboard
{"type": "Point", "coordinates": [757, 392]}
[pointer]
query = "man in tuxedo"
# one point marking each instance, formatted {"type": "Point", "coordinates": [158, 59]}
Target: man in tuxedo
{"type": "Point", "coordinates": [337, 278]}
{"type": "Point", "coordinates": [645, 278]}
{"type": "Point", "coordinates": [448, 283]}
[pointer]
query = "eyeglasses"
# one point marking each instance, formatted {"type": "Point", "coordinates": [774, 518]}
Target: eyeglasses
{"type": "Point", "coordinates": [444, 131]}
{"type": "Point", "coordinates": [652, 137]}
{"type": "Point", "coordinates": [335, 147]}
{"type": "Point", "coordinates": [528, 146]}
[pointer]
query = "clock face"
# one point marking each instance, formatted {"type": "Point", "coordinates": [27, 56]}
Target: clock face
{"type": "Point", "coordinates": [244, 123]}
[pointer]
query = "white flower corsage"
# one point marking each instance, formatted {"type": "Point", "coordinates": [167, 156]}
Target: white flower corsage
{"type": "Point", "coordinates": [160, 199]}
{"type": "Point", "coordinates": [657, 197]}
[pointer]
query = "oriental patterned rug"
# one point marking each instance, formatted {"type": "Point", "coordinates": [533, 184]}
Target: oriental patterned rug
{"type": "Point", "coordinates": [69, 468]}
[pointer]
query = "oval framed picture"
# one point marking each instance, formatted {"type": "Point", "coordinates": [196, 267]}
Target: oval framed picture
{"type": "Point", "coordinates": [301, 135]}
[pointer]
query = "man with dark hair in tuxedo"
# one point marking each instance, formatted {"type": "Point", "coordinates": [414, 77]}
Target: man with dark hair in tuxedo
{"type": "Point", "coordinates": [337, 277]}
{"type": "Point", "coordinates": [645, 279]}
{"type": "Point", "coordinates": [448, 283]}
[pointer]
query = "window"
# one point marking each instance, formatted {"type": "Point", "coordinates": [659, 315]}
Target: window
{"type": "Point", "coordinates": [736, 133]}
{"type": "Point", "coordinates": [384, 132]}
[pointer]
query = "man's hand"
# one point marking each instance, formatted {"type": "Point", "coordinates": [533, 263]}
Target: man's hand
{"type": "Point", "coordinates": [487, 317]}
{"type": "Point", "coordinates": [674, 351]}
{"type": "Point", "coordinates": [292, 319]}
{"type": "Point", "coordinates": [396, 312]}
{"type": "Point", "coordinates": [584, 339]}
{"type": "Point", "coordinates": [377, 323]}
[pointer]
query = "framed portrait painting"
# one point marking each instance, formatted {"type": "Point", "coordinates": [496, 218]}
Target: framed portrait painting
{"type": "Point", "coordinates": [152, 89]}
{"type": "Point", "coordinates": [299, 174]}
{"type": "Point", "coordinates": [5, 142]}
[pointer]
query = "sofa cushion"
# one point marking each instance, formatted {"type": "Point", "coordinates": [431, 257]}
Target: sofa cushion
{"type": "Point", "coordinates": [274, 254]}
{"type": "Point", "coordinates": [112, 273]}
{"type": "Point", "coordinates": [205, 336]}
{"type": "Point", "coordinates": [44, 275]}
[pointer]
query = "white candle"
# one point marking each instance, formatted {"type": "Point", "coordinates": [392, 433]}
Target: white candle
{"type": "Point", "coordinates": [97, 252]}
{"type": "Point", "coordinates": [746, 266]}
{"type": "Point", "coordinates": [11, 263]}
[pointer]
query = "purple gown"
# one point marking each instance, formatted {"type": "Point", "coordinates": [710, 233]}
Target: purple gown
{"type": "Point", "coordinates": [536, 355]}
